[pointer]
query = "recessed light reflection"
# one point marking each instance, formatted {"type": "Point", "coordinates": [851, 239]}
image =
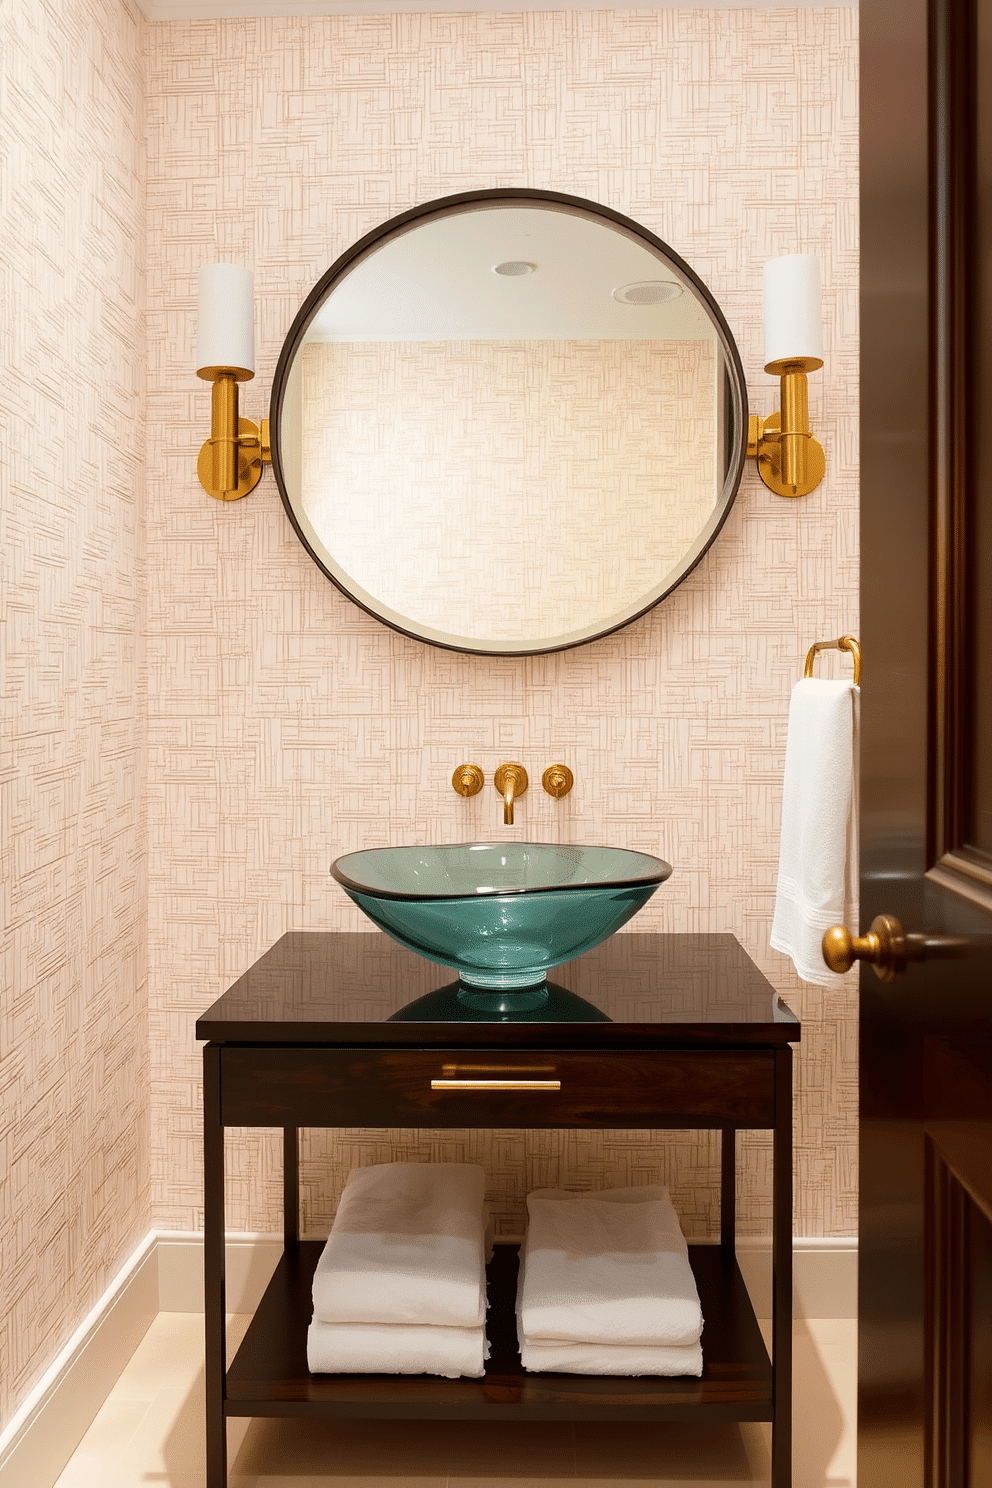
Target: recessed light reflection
{"type": "Point", "coordinates": [647, 292]}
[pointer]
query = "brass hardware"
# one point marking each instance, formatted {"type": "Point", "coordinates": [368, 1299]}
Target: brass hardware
{"type": "Point", "coordinates": [468, 780]}
{"type": "Point", "coordinates": [495, 1084]}
{"type": "Point", "coordinates": [884, 947]}
{"type": "Point", "coordinates": [790, 460]}
{"type": "Point", "coordinates": [888, 947]}
{"type": "Point", "coordinates": [557, 781]}
{"type": "Point", "coordinates": [844, 643]}
{"type": "Point", "coordinates": [230, 461]}
{"type": "Point", "coordinates": [511, 783]}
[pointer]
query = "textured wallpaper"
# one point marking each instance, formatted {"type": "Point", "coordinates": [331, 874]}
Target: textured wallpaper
{"type": "Point", "coordinates": [286, 726]}
{"type": "Point", "coordinates": [505, 490]}
{"type": "Point", "coordinates": [74, 1085]}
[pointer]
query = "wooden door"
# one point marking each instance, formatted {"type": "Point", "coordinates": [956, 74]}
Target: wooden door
{"type": "Point", "coordinates": [925, 1396]}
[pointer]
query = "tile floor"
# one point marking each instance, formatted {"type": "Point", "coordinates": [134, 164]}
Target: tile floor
{"type": "Point", "coordinates": [149, 1434]}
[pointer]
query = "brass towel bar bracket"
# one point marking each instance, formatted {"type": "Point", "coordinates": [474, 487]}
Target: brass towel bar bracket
{"type": "Point", "coordinates": [843, 643]}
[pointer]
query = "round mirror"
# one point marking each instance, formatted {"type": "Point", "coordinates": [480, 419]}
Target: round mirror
{"type": "Point", "coordinates": [508, 422]}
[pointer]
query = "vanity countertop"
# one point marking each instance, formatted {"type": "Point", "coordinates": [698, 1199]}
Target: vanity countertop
{"type": "Point", "coordinates": [642, 991]}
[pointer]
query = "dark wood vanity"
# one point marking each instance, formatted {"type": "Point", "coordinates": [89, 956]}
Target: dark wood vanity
{"type": "Point", "coordinates": [650, 1031]}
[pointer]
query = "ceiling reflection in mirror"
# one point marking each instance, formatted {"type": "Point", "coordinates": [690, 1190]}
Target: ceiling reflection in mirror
{"type": "Point", "coordinates": [508, 424]}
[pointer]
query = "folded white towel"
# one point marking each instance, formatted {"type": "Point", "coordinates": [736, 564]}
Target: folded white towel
{"type": "Point", "coordinates": [406, 1246]}
{"type": "Point", "coordinates": [384, 1348]}
{"type": "Point", "coordinates": [817, 884]}
{"type": "Point", "coordinates": [604, 1358]}
{"type": "Point", "coordinates": [610, 1358]}
{"type": "Point", "coordinates": [607, 1267]}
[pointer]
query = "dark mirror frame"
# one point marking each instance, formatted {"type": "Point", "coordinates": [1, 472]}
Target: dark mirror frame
{"type": "Point", "coordinates": [449, 205]}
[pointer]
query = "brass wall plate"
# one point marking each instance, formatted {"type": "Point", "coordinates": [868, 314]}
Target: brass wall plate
{"type": "Point", "coordinates": [518, 775]}
{"type": "Point", "coordinates": [468, 780]}
{"type": "Point", "coordinates": [769, 454]}
{"type": "Point", "coordinates": [557, 781]}
{"type": "Point", "coordinates": [250, 456]}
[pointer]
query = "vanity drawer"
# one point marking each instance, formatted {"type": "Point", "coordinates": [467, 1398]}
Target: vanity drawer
{"type": "Point", "coordinates": [315, 1086]}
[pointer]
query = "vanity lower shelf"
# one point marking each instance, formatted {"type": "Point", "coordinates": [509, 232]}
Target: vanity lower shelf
{"type": "Point", "coordinates": [269, 1377]}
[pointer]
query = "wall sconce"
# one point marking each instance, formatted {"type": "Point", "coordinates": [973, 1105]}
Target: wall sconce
{"type": "Point", "coordinates": [790, 461]}
{"type": "Point", "coordinates": [230, 461]}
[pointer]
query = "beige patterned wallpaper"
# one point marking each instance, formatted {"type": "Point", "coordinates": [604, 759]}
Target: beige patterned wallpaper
{"type": "Point", "coordinates": [286, 726]}
{"type": "Point", "coordinates": [74, 1081]}
{"type": "Point", "coordinates": [443, 474]}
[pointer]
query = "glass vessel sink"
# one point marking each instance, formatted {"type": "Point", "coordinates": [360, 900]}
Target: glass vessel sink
{"type": "Point", "coordinates": [500, 915]}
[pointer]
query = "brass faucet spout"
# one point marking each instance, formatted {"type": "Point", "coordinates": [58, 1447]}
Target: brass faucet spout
{"type": "Point", "coordinates": [511, 782]}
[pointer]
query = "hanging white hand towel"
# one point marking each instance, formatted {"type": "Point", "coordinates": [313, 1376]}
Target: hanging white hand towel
{"type": "Point", "coordinates": [608, 1267]}
{"type": "Point", "coordinates": [407, 1246]}
{"type": "Point", "coordinates": [818, 856]}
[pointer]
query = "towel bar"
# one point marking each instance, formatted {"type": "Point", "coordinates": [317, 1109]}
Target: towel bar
{"type": "Point", "coordinates": [844, 643]}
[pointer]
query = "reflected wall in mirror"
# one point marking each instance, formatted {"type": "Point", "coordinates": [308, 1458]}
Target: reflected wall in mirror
{"type": "Point", "coordinates": [508, 422]}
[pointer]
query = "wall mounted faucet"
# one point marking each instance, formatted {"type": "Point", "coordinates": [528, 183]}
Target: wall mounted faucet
{"type": "Point", "coordinates": [511, 782]}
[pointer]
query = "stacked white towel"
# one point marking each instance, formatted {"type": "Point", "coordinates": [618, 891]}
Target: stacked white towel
{"type": "Point", "coordinates": [606, 1287]}
{"type": "Point", "coordinates": [400, 1287]}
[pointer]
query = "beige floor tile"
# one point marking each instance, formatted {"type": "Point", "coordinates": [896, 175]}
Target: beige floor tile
{"type": "Point", "coordinates": [170, 1354]}
{"type": "Point", "coordinates": [756, 1439]}
{"type": "Point", "coordinates": [428, 1449]}
{"type": "Point", "coordinates": [511, 1480]}
{"type": "Point", "coordinates": [368, 1450]}
{"type": "Point", "coordinates": [825, 1364]}
{"type": "Point", "coordinates": [508, 1449]}
{"type": "Point", "coordinates": [331, 1480]}
{"type": "Point", "coordinates": [108, 1437]}
{"type": "Point", "coordinates": [122, 1474]}
{"type": "Point", "coordinates": [150, 1429]}
{"type": "Point", "coordinates": [635, 1451]}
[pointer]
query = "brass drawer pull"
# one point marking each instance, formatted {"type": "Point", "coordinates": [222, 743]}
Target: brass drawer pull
{"type": "Point", "coordinates": [495, 1084]}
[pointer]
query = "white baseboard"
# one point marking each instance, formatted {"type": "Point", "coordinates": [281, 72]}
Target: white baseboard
{"type": "Point", "coordinates": [824, 1271]}
{"type": "Point", "coordinates": [165, 1274]}
{"type": "Point", "coordinates": [250, 1262]}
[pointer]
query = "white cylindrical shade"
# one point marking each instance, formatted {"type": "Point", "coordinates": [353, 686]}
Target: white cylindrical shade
{"type": "Point", "coordinates": [793, 309]}
{"type": "Point", "coordinates": [225, 317]}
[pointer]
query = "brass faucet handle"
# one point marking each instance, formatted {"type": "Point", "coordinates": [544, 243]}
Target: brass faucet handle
{"type": "Point", "coordinates": [557, 781]}
{"type": "Point", "coordinates": [468, 780]}
{"type": "Point", "coordinates": [510, 782]}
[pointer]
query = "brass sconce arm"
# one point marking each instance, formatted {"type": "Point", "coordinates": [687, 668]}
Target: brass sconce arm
{"type": "Point", "coordinates": [790, 460]}
{"type": "Point", "coordinates": [230, 461]}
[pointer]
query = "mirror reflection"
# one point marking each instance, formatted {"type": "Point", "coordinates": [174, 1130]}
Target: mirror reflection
{"type": "Point", "coordinates": [508, 426]}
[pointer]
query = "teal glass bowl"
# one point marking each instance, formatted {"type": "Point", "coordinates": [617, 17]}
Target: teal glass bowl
{"type": "Point", "coordinates": [501, 916]}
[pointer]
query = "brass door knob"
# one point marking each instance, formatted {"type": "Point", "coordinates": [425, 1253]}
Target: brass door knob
{"type": "Point", "coordinates": [884, 947]}
{"type": "Point", "coordinates": [558, 781]}
{"type": "Point", "coordinates": [468, 780]}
